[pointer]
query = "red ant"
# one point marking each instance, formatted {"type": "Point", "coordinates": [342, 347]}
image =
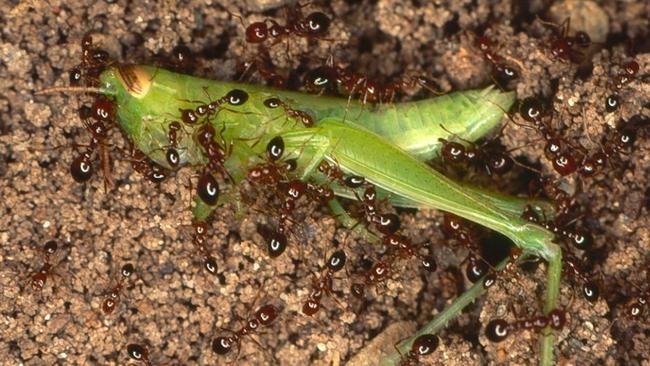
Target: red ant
{"type": "Point", "coordinates": [217, 153]}
{"type": "Point", "coordinates": [200, 233]}
{"type": "Point", "coordinates": [385, 223]}
{"type": "Point", "coordinates": [304, 117]}
{"type": "Point", "coordinates": [381, 269]}
{"type": "Point", "coordinates": [145, 166]}
{"type": "Point", "coordinates": [235, 97]}
{"type": "Point", "coordinates": [498, 330]}
{"type": "Point", "coordinates": [264, 316]}
{"type": "Point", "coordinates": [579, 238]}
{"type": "Point", "coordinates": [263, 64]}
{"type": "Point", "coordinates": [635, 308]}
{"type": "Point", "coordinates": [377, 273]}
{"type": "Point", "coordinates": [93, 60]}
{"type": "Point", "coordinates": [613, 144]}
{"type": "Point", "coordinates": [562, 45]}
{"type": "Point", "coordinates": [423, 345]}
{"type": "Point", "coordinates": [38, 279]}
{"type": "Point", "coordinates": [557, 148]}
{"type": "Point", "coordinates": [402, 248]}
{"type": "Point", "coordinates": [323, 284]}
{"type": "Point", "coordinates": [502, 70]}
{"type": "Point", "coordinates": [112, 299]}
{"type": "Point", "coordinates": [139, 353]}
{"type": "Point", "coordinates": [486, 155]}
{"type": "Point", "coordinates": [331, 78]}
{"type": "Point", "coordinates": [628, 74]}
{"type": "Point", "coordinates": [101, 112]}
{"type": "Point", "coordinates": [313, 26]}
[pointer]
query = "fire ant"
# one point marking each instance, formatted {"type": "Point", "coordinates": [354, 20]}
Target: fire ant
{"type": "Point", "coordinates": [332, 78]}
{"type": "Point", "coordinates": [93, 60]}
{"type": "Point", "coordinates": [323, 284]}
{"type": "Point", "coordinates": [557, 149]}
{"type": "Point", "coordinates": [498, 329]}
{"type": "Point", "coordinates": [580, 239]}
{"type": "Point", "coordinates": [402, 248]}
{"type": "Point", "coordinates": [139, 353]}
{"type": "Point", "coordinates": [101, 112]}
{"type": "Point", "coordinates": [264, 316]}
{"type": "Point", "coordinates": [217, 154]}
{"type": "Point", "coordinates": [423, 345]}
{"type": "Point", "coordinates": [200, 233]}
{"type": "Point", "coordinates": [487, 155]}
{"type": "Point", "coordinates": [502, 71]}
{"type": "Point", "coordinates": [377, 273]}
{"type": "Point", "coordinates": [112, 298]}
{"type": "Point", "coordinates": [38, 279]}
{"type": "Point", "coordinates": [563, 46]}
{"type": "Point", "coordinates": [628, 74]}
{"type": "Point", "coordinates": [235, 97]}
{"type": "Point", "coordinates": [145, 166]}
{"type": "Point", "coordinates": [313, 26]}
{"type": "Point", "coordinates": [304, 117]}
{"type": "Point", "coordinates": [613, 145]}
{"type": "Point", "coordinates": [635, 308]}
{"type": "Point", "coordinates": [263, 65]}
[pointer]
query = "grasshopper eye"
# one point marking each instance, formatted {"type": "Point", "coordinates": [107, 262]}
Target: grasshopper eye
{"type": "Point", "coordinates": [272, 103]}
{"type": "Point", "coordinates": [237, 97]}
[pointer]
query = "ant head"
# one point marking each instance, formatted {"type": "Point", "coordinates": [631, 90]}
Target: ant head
{"type": "Point", "coordinates": [210, 265]}
{"type": "Point", "coordinates": [222, 345]}
{"type": "Point", "coordinates": [127, 270]}
{"type": "Point", "coordinates": [336, 261]}
{"type": "Point", "coordinates": [453, 151]}
{"type": "Point", "coordinates": [497, 330]}
{"type": "Point", "coordinates": [50, 247]}
{"type": "Point", "coordinates": [317, 23]}
{"type": "Point", "coordinates": [208, 189]}
{"type": "Point", "coordinates": [236, 97]}
{"type": "Point", "coordinates": [81, 168]}
{"type": "Point", "coordinates": [275, 148]}
{"type": "Point", "coordinates": [591, 291]}
{"type": "Point", "coordinates": [137, 352]}
{"type": "Point", "coordinates": [267, 314]}
{"type": "Point", "coordinates": [531, 109]}
{"type": "Point", "coordinates": [425, 344]}
{"type": "Point", "coordinates": [320, 78]}
{"type": "Point", "coordinates": [257, 32]}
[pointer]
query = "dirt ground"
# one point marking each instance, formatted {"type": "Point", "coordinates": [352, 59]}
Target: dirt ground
{"type": "Point", "coordinates": [175, 309]}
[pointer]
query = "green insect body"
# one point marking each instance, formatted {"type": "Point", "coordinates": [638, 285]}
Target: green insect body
{"type": "Point", "coordinates": [386, 144]}
{"type": "Point", "coordinates": [148, 99]}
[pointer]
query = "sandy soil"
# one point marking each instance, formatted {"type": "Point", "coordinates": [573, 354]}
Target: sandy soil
{"type": "Point", "coordinates": [175, 309]}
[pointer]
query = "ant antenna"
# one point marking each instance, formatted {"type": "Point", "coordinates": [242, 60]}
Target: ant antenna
{"type": "Point", "coordinates": [74, 90]}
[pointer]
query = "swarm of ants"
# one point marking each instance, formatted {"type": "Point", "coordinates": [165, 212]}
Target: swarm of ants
{"type": "Point", "coordinates": [570, 169]}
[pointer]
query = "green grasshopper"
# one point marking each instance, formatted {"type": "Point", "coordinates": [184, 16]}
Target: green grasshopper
{"type": "Point", "coordinates": [386, 144]}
